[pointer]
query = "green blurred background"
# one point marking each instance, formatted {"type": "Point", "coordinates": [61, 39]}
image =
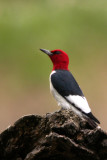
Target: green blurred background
{"type": "Point", "coordinates": [77, 27]}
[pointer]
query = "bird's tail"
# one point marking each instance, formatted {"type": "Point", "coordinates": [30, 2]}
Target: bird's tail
{"type": "Point", "coordinates": [92, 120]}
{"type": "Point", "coordinates": [92, 123]}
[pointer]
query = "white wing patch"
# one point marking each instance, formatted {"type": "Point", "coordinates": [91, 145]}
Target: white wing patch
{"type": "Point", "coordinates": [79, 102]}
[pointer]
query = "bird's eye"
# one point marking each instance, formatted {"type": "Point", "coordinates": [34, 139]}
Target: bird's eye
{"type": "Point", "coordinates": [57, 52]}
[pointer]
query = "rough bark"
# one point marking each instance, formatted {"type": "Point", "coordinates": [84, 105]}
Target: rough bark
{"type": "Point", "coordinates": [57, 136]}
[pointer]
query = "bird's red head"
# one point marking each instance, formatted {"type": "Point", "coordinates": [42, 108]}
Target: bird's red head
{"type": "Point", "coordinates": [59, 58]}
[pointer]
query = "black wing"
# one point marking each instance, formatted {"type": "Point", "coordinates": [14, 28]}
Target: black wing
{"type": "Point", "coordinates": [65, 84]}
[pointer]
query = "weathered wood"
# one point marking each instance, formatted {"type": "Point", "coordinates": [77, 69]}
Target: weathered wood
{"type": "Point", "coordinates": [57, 136]}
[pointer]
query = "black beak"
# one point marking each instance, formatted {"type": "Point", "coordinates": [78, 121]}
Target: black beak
{"type": "Point", "coordinates": [46, 51]}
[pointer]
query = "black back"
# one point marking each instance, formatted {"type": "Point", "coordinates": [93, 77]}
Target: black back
{"type": "Point", "coordinates": [65, 84]}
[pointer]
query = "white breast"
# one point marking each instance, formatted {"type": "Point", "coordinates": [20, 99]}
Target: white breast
{"type": "Point", "coordinates": [60, 100]}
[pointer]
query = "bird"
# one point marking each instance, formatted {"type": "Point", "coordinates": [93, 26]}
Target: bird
{"type": "Point", "coordinates": [65, 88]}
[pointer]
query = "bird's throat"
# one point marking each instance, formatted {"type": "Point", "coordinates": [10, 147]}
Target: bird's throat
{"type": "Point", "coordinates": [60, 66]}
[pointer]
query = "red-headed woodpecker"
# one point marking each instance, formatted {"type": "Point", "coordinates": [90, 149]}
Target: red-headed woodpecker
{"type": "Point", "coordinates": [65, 89]}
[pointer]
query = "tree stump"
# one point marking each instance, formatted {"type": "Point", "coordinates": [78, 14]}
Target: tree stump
{"type": "Point", "coordinates": [60, 135]}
